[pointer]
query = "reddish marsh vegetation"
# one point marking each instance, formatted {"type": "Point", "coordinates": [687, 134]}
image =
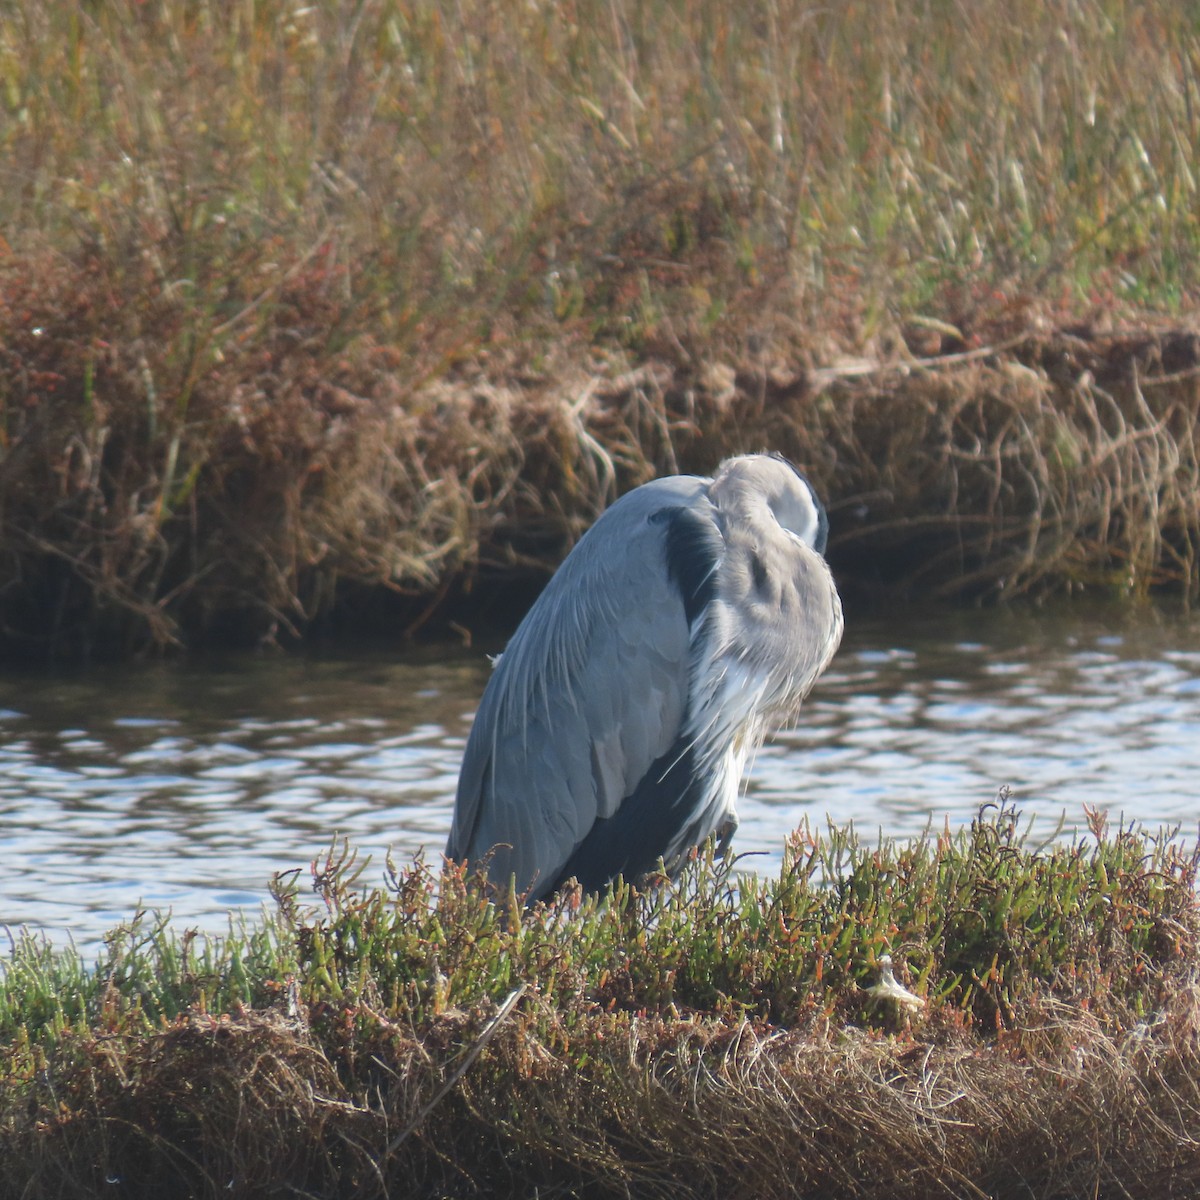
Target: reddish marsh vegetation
{"type": "Point", "coordinates": [296, 299]}
{"type": "Point", "coordinates": [703, 1039]}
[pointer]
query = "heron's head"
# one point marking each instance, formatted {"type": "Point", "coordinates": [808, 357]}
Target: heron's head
{"type": "Point", "coordinates": [751, 479]}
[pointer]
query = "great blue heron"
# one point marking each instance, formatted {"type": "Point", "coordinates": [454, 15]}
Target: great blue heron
{"type": "Point", "coordinates": [692, 618]}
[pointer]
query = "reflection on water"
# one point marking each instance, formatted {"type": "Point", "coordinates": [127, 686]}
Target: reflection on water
{"type": "Point", "coordinates": [930, 719]}
{"type": "Point", "coordinates": [186, 785]}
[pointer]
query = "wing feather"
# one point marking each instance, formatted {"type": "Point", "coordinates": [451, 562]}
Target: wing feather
{"type": "Point", "coordinates": [593, 689]}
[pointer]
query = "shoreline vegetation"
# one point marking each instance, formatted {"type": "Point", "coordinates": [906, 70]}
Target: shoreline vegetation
{"type": "Point", "coordinates": [312, 309]}
{"type": "Point", "coordinates": [721, 1036]}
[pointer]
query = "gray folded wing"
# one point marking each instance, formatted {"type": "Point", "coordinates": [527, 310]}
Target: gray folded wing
{"type": "Point", "coordinates": [590, 695]}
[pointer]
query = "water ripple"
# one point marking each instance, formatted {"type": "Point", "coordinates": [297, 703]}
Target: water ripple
{"type": "Point", "coordinates": [187, 785]}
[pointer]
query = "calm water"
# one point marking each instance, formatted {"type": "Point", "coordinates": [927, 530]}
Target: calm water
{"type": "Point", "coordinates": [186, 785]}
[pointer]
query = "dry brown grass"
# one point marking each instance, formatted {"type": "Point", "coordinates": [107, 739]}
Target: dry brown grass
{"type": "Point", "coordinates": [1047, 459]}
{"type": "Point", "coordinates": [1044, 458]}
{"type": "Point", "coordinates": [257, 1105]}
{"type": "Point", "coordinates": [303, 299]}
{"type": "Point", "coordinates": [1066, 460]}
{"type": "Point", "coordinates": [698, 1040]}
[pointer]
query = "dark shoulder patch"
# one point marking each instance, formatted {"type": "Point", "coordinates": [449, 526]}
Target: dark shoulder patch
{"type": "Point", "coordinates": [693, 549]}
{"type": "Point", "coordinates": [760, 574]}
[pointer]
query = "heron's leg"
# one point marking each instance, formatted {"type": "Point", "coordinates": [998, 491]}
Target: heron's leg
{"type": "Point", "coordinates": [725, 832]}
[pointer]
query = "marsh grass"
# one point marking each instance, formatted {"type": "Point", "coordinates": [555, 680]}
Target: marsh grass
{"type": "Point", "coordinates": [711, 1036]}
{"type": "Point", "coordinates": [296, 297]}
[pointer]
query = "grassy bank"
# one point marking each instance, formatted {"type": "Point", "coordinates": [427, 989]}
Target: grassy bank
{"type": "Point", "coordinates": [703, 1039]}
{"type": "Point", "coordinates": [297, 301]}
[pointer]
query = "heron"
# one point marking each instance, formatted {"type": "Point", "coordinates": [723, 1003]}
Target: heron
{"type": "Point", "coordinates": [688, 622]}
